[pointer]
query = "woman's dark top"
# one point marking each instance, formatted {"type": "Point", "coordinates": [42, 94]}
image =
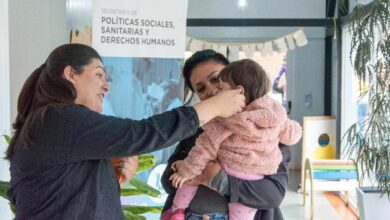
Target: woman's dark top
{"type": "Point", "coordinates": [266, 194]}
{"type": "Point", "coordinates": [66, 173]}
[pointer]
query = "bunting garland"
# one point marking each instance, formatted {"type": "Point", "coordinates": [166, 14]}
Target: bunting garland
{"type": "Point", "coordinates": [278, 45]}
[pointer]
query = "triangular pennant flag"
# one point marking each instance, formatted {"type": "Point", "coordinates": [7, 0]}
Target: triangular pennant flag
{"type": "Point", "coordinates": [221, 48]}
{"type": "Point", "coordinates": [233, 53]}
{"type": "Point", "coordinates": [188, 41]}
{"type": "Point", "coordinates": [249, 50]}
{"type": "Point", "coordinates": [290, 41]}
{"type": "Point", "coordinates": [281, 45]}
{"type": "Point", "coordinates": [300, 38]}
{"type": "Point", "coordinates": [259, 47]}
{"type": "Point", "coordinates": [207, 45]}
{"type": "Point", "coordinates": [267, 49]}
{"type": "Point", "coordinates": [196, 45]}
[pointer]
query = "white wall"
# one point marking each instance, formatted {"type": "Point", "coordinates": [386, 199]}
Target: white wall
{"type": "Point", "coordinates": [5, 120]}
{"type": "Point", "coordinates": [305, 76]}
{"type": "Point", "coordinates": [36, 28]}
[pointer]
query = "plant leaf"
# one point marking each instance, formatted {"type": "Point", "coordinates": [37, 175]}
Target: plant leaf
{"type": "Point", "coordinates": [131, 216]}
{"type": "Point", "coordinates": [4, 186]}
{"type": "Point", "coordinates": [146, 161]}
{"type": "Point", "coordinates": [7, 138]}
{"type": "Point", "coordinates": [368, 141]}
{"type": "Point", "coordinates": [130, 192]}
{"type": "Point", "coordinates": [142, 209]}
{"type": "Point", "coordinates": [145, 188]}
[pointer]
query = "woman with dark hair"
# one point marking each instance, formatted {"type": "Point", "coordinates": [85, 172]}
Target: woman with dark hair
{"type": "Point", "coordinates": [201, 74]}
{"type": "Point", "coordinates": [61, 149]}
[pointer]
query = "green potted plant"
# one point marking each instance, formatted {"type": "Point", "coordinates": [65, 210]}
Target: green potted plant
{"type": "Point", "coordinates": [5, 185]}
{"type": "Point", "coordinates": [368, 141]}
{"type": "Point", "coordinates": [135, 187]}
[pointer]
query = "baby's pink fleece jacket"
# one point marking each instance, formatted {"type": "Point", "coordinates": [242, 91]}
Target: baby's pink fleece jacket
{"type": "Point", "coordinates": [247, 142]}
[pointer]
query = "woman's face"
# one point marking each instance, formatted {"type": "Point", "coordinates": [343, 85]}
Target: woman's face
{"type": "Point", "coordinates": [91, 86]}
{"type": "Point", "coordinates": [204, 79]}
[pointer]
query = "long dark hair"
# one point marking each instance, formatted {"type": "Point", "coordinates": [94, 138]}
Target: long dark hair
{"type": "Point", "coordinates": [201, 57]}
{"type": "Point", "coordinates": [249, 75]}
{"type": "Point", "coordinates": [46, 87]}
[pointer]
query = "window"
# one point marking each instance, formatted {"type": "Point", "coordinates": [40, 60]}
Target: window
{"type": "Point", "coordinates": [353, 108]}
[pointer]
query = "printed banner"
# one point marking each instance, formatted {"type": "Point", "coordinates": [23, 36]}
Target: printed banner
{"type": "Point", "coordinates": [132, 28]}
{"type": "Point", "coordinates": [142, 47]}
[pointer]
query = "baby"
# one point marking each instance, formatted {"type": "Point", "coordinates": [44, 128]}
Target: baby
{"type": "Point", "coordinates": [246, 144]}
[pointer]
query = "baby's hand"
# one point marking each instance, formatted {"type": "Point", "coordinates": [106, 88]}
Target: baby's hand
{"type": "Point", "coordinates": [175, 165]}
{"type": "Point", "coordinates": [177, 180]}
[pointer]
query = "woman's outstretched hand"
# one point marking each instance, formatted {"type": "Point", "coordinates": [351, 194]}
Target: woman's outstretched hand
{"type": "Point", "coordinates": [224, 104]}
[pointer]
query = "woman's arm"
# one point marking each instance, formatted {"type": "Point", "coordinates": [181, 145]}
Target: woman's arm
{"type": "Point", "coordinates": [267, 193]}
{"type": "Point", "coordinates": [73, 133]}
{"type": "Point", "coordinates": [89, 135]}
{"type": "Point", "coordinates": [82, 134]}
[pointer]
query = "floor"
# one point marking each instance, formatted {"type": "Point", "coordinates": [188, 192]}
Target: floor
{"type": "Point", "coordinates": [326, 205]}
